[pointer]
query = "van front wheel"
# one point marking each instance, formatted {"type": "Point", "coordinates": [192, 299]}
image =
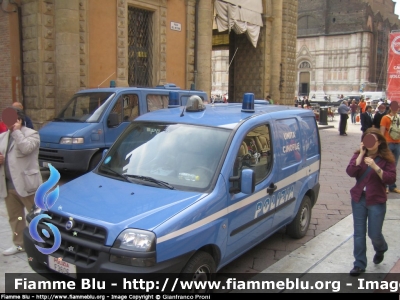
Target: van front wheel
{"type": "Point", "coordinates": [200, 268]}
{"type": "Point", "coordinates": [299, 226]}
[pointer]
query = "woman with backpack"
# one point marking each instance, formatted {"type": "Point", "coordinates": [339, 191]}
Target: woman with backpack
{"type": "Point", "coordinates": [390, 128]}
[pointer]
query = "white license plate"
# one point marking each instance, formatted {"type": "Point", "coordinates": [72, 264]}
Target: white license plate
{"type": "Point", "coordinates": [61, 266]}
{"type": "Point", "coordinates": [45, 164]}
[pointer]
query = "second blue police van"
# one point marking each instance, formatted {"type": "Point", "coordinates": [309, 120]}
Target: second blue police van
{"type": "Point", "coordinates": [187, 190]}
{"type": "Point", "coordinates": [93, 119]}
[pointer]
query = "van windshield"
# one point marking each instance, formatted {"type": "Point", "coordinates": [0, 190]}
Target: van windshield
{"type": "Point", "coordinates": [175, 156]}
{"type": "Point", "coordinates": [87, 107]}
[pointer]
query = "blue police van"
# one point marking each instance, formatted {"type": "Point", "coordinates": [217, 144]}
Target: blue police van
{"type": "Point", "coordinates": [93, 119]}
{"type": "Point", "coordinates": [187, 190]}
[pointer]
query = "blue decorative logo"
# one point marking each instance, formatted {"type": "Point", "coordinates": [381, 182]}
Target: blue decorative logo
{"type": "Point", "coordinates": [45, 200]}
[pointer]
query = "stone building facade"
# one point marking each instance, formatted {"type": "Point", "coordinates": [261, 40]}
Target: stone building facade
{"type": "Point", "coordinates": [51, 49]}
{"type": "Point", "coordinates": [342, 46]}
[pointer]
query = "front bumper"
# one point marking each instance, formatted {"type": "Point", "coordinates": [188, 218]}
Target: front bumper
{"type": "Point", "coordinates": [39, 263]}
{"type": "Point", "coordinates": [66, 160]}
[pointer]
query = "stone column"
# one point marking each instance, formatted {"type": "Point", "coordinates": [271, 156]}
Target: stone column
{"type": "Point", "coordinates": [204, 46]}
{"type": "Point", "coordinates": [67, 50]}
{"type": "Point", "coordinates": [190, 36]}
{"type": "Point", "coordinates": [276, 49]}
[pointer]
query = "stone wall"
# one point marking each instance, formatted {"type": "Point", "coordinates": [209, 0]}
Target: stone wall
{"type": "Point", "coordinates": [5, 62]}
{"type": "Point", "coordinates": [38, 59]}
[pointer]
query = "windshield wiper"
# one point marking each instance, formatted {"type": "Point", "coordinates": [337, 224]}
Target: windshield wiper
{"type": "Point", "coordinates": [73, 120]}
{"type": "Point", "coordinates": [59, 119]}
{"type": "Point", "coordinates": [115, 173]}
{"type": "Point", "coordinates": [151, 179]}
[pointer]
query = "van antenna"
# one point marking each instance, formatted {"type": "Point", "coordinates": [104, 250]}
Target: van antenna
{"type": "Point", "coordinates": [232, 59]}
{"type": "Point", "coordinates": [105, 80]}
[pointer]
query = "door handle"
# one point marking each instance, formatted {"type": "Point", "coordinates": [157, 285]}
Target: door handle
{"type": "Point", "coordinates": [271, 189]}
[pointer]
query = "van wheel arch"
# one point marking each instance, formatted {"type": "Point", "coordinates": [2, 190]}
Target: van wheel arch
{"type": "Point", "coordinates": [299, 226]}
{"type": "Point", "coordinates": [201, 267]}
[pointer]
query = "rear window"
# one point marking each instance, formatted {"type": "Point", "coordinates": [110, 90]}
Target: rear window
{"type": "Point", "coordinates": [155, 102]}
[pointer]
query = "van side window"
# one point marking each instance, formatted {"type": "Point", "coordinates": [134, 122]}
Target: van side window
{"type": "Point", "coordinates": [115, 116]}
{"type": "Point", "coordinates": [288, 142]}
{"type": "Point", "coordinates": [155, 102]}
{"type": "Point", "coordinates": [255, 153]}
{"type": "Point", "coordinates": [310, 137]}
{"type": "Point", "coordinates": [130, 107]}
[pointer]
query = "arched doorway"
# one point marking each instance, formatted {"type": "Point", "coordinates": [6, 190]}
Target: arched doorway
{"type": "Point", "coordinates": [304, 78]}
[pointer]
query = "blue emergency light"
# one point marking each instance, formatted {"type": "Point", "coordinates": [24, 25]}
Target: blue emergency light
{"type": "Point", "coordinates": [173, 100]}
{"type": "Point", "coordinates": [248, 103]}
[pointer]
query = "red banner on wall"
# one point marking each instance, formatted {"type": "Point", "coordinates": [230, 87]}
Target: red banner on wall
{"type": "Point", "coordinates": [393, 76]}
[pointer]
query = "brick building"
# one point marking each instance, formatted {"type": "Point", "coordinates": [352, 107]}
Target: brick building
{"type": "Point", "coordinates": [51, 49]}
{"type": "Point", "coordinates": [342, 46]}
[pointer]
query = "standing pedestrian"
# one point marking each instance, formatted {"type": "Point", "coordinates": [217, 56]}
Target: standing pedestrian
{"type": "Point", "coordinates": [270, 99]}
{"type": "Point", "coordinates": [296, 101]}
{"type": "Point", "coordinates": [376, 123]}
{"type": "Point", "coordinates": [307, 103]}
{"type": "Point", "coordinates": [373, 165]}
{"type": "Point", "coordinates": [20, 175]}
{"type": "Point", "coordinates": [362, 106]}
{"type": "Point", "coordinates": [343, 111]}
{"type": "Point", "coordinates": [366, 118]}
{"type": "Point", "coordinates": [353, 107]}
{"type": "Point", "coordinates": [394, 144]}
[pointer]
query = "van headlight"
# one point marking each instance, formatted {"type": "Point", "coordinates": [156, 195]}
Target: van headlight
{"type": "Point", "coordinates": [136, 240]}
{"type": "Point", "coordinates": [69, 140]}
{"type": "Point", "coordinates": [141, 245]}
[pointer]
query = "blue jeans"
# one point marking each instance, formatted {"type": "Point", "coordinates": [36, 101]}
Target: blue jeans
{"type": "Point", "coordinates": [375, 214]}
{"type": "Point", "coordinates": [353, 117]}
{"type": "Point", "coordinates": [395, 148]}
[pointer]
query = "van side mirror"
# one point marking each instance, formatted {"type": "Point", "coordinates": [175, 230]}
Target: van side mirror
{"type": "Point", "coordinates": [113, 120]}
{"type": "Point", "coordinates": [244, 183]}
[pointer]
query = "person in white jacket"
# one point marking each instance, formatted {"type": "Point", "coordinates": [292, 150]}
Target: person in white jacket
{"type": "Point", "coordinates": [19, 175]}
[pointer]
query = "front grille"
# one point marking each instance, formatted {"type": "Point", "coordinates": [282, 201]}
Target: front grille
{"type": "Point", "coordinates": [82, 249]}
{"type": "Point", "coordinates": [48, 150]}
{"type": "Point", "coordinates": [46, 155]}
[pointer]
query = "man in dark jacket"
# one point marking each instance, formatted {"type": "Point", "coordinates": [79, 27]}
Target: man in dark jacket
{"type": "Point", "coordinates": [366, 118]}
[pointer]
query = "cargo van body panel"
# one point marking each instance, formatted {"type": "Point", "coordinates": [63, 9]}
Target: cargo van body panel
{"type": "Point", "coordinates": [178, 182]}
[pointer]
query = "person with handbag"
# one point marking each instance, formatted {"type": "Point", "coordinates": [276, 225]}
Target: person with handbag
{"type": "Point", "coordinates": [392, 118]}
{"type": "Point", "coordinates": [373, 165]}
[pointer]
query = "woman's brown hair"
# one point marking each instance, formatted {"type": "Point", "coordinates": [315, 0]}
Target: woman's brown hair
{"type": "Point", "coordinates": [383, 148]}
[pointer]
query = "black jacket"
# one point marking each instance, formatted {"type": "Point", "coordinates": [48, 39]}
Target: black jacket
{"type": "Point", "coordinates": [377, 119]}
{"type": "Point", "coordinates": [366, 121]}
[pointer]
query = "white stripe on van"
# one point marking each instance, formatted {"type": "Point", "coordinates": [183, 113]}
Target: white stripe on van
{"type": "Point", "coordinates": [246, 201]}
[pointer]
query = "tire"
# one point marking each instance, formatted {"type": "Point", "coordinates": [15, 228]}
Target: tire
{"type": "Point", "coordinates": [94, 161]}
{"type": "Point", "coordinates": [201, 267]}
{"type": "Point", "coordinates": [299, 226]}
